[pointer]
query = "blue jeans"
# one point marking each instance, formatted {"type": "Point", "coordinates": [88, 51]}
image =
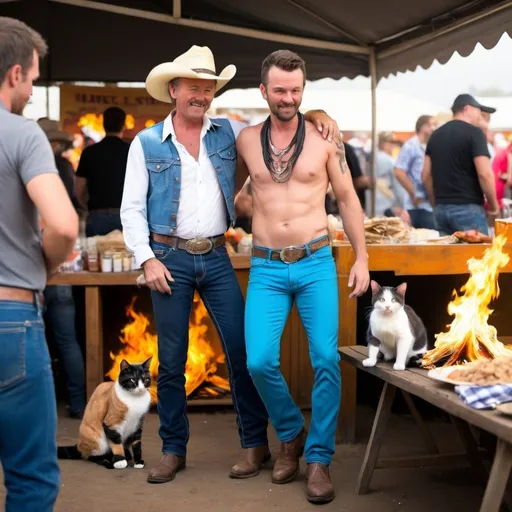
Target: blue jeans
{"type": "Point", "coordinates": [60, 315]}
{"type": "Point", "coordinates": [313, 284]}
{"type": "Point", "coordinates": [422, 219]}
{"type": "Point", "coordinates": [214, 278]}
{"type": "Point", "coordinates": [28, 415]}
{"type": "Point", "coordinates": [460, 217]}
{"type": "Point", "coordinates": [99, 224]}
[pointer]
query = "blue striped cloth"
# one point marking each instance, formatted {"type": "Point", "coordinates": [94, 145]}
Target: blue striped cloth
{"type": "Point", "coordinates": [485, 397]}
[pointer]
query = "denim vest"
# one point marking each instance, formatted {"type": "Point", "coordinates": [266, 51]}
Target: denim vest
{"type": "Point", "coordinates": [164, 169]}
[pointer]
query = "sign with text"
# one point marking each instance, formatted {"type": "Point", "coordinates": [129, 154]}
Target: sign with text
{"type": "Point", "coordinates": [82, 107]}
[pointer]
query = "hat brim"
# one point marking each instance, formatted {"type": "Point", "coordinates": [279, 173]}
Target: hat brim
{"type": "Point", "coordinates": [59, 136]}
{"type": "Point", "coordinates": [157, 82]}
{"type": "Point", "coordinates": [488, 110]}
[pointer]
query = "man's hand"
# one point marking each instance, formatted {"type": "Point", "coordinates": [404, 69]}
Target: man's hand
{"type": "Point", "coordinates": [416, 201]}
{"type": "Point", "coordinates": [360, 277]}
{"type": "Point", "coordinates": [157, 276]}
{"type": "Point", "coordinates": [325, 125]}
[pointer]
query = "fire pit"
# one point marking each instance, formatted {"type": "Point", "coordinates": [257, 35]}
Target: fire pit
{"type": "Point", "coordinates": [470, 338]}
{"type": "Point", "coordinates": [201, 371]}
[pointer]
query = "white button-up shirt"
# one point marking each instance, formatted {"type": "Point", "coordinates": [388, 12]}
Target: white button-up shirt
{"type": "Point", "coordinates": [201, 212]}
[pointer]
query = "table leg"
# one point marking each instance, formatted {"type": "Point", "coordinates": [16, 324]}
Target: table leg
{"type": "Point", "coordinates": [379, 427]}
{"type": "Point", "coordinates": [425, 432]}
{"type": "Point", "coordinates": [498, 479]}
{"type": "Point", "coordinates": [94, 338]}
{"type": "Point", "coordinates": [347, 337]}
{"type": "Point", "coordinates": [469, 442]}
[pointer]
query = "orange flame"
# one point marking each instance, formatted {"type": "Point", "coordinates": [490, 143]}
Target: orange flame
{"type": "Point", "coordinates": [470, 337]}
{"type": "Point", "coordinates": [139, 345]}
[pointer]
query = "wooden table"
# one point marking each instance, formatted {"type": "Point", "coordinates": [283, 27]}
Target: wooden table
{"type": "Point", "coordinates": [93, 283]}
{"type": "Point", "coordinates": [416, 382]}
{"type": "Point", "coordinates": [401, 259]}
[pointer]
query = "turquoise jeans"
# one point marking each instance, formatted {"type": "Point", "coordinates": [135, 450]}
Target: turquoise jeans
{"type": "Point", "coordinates": [273, 287]}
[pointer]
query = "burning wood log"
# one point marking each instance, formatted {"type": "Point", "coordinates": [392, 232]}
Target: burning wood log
{"type": "Point", "coordinates": [470, 337]}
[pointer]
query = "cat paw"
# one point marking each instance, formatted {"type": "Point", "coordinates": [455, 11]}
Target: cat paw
{"type": "Point", "coordinates": [398, 366]}
{"type": "Point", "coordinates": [121, 464]}
{"type": "Point", "coordinates": [139, 464]}
{"type": "Point", "coordinates": [369, 362]}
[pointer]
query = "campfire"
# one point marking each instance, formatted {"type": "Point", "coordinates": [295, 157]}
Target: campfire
{"type": "Point", "coordinates": [138, 344]}
{"type": "Point", "coordinates": [470, 338]}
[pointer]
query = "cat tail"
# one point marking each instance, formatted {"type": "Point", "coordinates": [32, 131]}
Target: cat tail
{"type": "Point", "coordinates": [68, 452]}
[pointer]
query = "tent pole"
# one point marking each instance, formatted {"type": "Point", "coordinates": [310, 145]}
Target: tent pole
{"type": "Point", "coordinates": [373, 155]}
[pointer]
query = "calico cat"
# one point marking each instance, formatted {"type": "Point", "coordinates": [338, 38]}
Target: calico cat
{"type": "Point", "coordinates": [112, 424]}
{"type": "Point", "coordinates": [395, 331]}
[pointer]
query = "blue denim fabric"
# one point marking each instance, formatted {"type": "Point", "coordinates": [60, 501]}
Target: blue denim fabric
{"type": "Point", "coordinates": [214, 278]}
{"type": "Point", "coordinates": [460, 217]}
{"type": "Point", "coordinates": [28, 415]}
{"type": "Point", "coordinates": [273, 287]}
{"type": "Point", "coordinates": [164, 169]}
{"type": "Point", "coordinates": [60, 316]}
{"type": "Point", "coordinates": [422, 219]}
{"type": "Point", "coordinates": [100, 224]}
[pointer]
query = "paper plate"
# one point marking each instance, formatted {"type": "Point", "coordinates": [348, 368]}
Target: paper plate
{"type": "Point", "coordinates": [441, 374]}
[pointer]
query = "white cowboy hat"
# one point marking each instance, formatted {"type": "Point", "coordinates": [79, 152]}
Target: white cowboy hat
{"type": "Point", "coordinates": [198, 62]}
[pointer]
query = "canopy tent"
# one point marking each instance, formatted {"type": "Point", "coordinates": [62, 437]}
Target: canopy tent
{"type": "Point", "coordinates": [121, 40]}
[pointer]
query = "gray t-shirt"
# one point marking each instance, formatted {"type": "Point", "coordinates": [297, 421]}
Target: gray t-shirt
{"type": "Point", "coordinates": [24, 154]}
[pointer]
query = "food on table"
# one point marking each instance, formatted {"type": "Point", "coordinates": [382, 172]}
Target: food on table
{"type": "Point", "coordinates": [485, 373]}
{"type": "Point", "coordinates": [473, 236]}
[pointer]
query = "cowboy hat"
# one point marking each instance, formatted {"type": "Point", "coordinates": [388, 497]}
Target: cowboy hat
{"type": "Point", "coordinates": [52, 132]}
{"type": "Point", "coordinates": [197, 62]}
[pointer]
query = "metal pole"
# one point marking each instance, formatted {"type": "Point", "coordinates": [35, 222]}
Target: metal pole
{"type": "Point", "coordinates": [373, 159]}
{"type": "Point", "coordinates": [48, 100]}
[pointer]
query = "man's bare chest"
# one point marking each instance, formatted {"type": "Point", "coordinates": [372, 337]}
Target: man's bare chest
{"type": "Point", "coordinates": [310, 167]}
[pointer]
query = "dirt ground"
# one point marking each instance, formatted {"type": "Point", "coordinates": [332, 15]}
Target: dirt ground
{"type": "Point", "coordinates": [213, 448]}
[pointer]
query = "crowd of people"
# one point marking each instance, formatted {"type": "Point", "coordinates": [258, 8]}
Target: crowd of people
{"type": "Point", "coordinates": [452, 177]}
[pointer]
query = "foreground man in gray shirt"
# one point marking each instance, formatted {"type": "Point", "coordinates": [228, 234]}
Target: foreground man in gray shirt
{"type": "Point", "coordinates": [29, 184]}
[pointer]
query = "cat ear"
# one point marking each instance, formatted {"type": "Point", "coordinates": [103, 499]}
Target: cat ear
{"type": "Point", "coordinates": [146, 364]}
{"type": "Point", "coordinates": [401, 289]}
{"type": "Point", "coordinates": [124, 364]}
{"type": "Point", "coordinates": [375, 287]}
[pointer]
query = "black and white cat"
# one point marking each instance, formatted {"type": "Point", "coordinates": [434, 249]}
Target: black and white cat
{"type": "Point", "coordinates": [111, 429]}
{"type": "Point", "coordinates": [395, 331]}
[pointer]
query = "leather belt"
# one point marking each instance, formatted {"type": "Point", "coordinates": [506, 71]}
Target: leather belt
{"type": "Point", "coordinates": [292, 253]}
{"type": "Point", "coordinates": [196, 246]}
{"type": "Point", "coordinates": [16, 294]}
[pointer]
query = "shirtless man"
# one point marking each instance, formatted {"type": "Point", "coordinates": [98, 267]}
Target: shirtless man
{"type": "Point", "coordinates": [292, 259]}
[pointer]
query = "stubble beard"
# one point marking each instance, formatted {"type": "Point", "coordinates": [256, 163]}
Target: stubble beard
{"type": "Point", "coordinates": [276, 110]}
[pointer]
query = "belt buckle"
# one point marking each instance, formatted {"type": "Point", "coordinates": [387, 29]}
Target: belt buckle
{"type": "Point", "coordinates": [198, 246]}
{"type": "Point", "coordinates": [282, 254]}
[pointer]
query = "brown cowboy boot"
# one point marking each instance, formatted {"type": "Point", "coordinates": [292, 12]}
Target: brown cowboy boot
{"type": "Point", "coordinates": [287, 466]}
{"type": "Point", "coordinates": [319, 487]}
{"type": "Point", "coordinates": [251, 462]}
{"type": "Point", "coordinates": [167, 468]}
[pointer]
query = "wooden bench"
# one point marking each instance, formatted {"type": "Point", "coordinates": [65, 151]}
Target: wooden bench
{"type": "Point", "coordinates": [416, 382]}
